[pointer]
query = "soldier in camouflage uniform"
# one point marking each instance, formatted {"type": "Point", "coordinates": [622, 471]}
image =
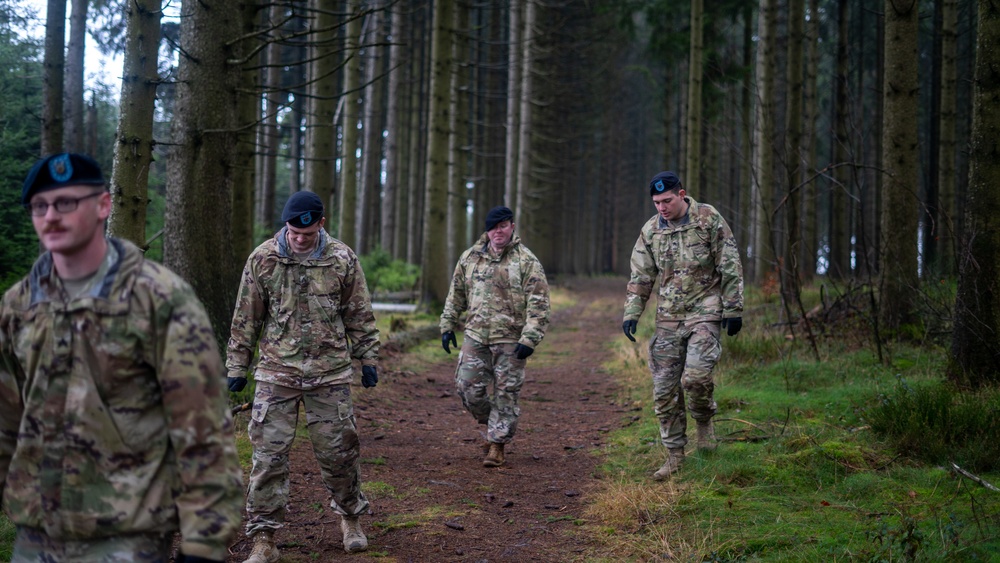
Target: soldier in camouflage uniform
{"type": "Point", "coordinates": [304, 303]}
{"type": "Point", "coordinates": [503, 287]}
{"type": "Point", "coordinates": [689, 249]}
{"type": "Point", "coordinates": [114, 427]}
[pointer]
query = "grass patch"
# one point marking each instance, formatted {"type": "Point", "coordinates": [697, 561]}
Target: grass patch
{"type": "Point", "coordinates": [819, 461]}
{"type": "Point", "coordinates": [378, 489]}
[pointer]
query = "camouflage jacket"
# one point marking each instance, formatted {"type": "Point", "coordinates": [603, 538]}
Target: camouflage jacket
{"type": "Point", "coordinates": [697, 266]}
{"type": "Point", "coordinates": [507, 297]}
{"type": "Point", "coordinates": [312, 316]}
{"type": "Point", "coordinates": [113, 410]}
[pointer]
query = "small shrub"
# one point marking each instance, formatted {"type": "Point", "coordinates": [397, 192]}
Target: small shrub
{"type": "Point", "coordinates": [937, 423]}
{"type": "Point", "coordinates": [383, 273]}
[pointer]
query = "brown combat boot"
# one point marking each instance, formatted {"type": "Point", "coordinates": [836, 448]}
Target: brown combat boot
{"type": "Point", "coordinates": [673, 464]}
{"type": "Point", "coordinates": [706, 435]}
{"type": "Point", "coordinates": [264, 549]}
{"type": "Point", "coordinates": [495, 457]}
{"type": "Point", "coordinates": [354, 537]}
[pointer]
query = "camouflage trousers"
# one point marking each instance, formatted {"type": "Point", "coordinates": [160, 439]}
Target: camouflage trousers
{"type": "Point", "coordinates": [681, 358]}
{"type": "Point", "coordinates": [479, 368]}
{"type": "Point", "coordinates": [334, 436]}
{"type": "Point", "coordinates": [32, 545]}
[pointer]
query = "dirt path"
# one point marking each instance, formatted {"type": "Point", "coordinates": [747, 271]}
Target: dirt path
{"type": "Point", "coordinates": [431, 498]}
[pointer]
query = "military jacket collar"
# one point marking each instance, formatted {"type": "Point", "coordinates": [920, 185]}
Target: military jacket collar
{"type": "Point", "coordinates": [694, 219]}
{"type": "Point", "coordinates": [109, 295]}
{"type": "Point", "coordinates": [321, 252]}
{"type": "Point", "coordinates": [483, 246]}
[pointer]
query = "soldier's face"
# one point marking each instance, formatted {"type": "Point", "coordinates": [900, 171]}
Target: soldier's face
{"type": "Point", "coordinates": [68, 233]}
{"type": "Point", "coordinates": [671, 205]}
{"type": "Point", "coordinates": [305, 239]}
{"type": "Point", "coordinates": [501, 234]}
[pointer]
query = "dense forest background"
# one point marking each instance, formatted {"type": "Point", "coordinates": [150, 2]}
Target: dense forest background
{"type": "Point", "coordinates": [849, 140]}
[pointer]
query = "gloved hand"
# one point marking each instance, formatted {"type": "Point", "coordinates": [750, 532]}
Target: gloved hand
{"type": "Point", "coordinates": [181, 558]}
{"type": "Point", "coordinates": [734, 325]}
{"type": "Point", "coordinates": [236, 384]}
{"type": "Point", "coordinates": [629, 328]}
{"type": "Point", "coordinates": [522, 351]}
{"type": "Point", "coordinates": [446, 338]}
{"type": "Point", "coordinates": [369, 376]}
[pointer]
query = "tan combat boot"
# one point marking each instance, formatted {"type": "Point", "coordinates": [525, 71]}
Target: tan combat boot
{"type": "Point", "coordinates": [673, 464]}
{"type": "Point", "coordinates": [264, 549]}
{"type": "Point", "coordinates": [354, 537]}
{"type": "Point", "coordinates": [495, 457]}
{"type": "Point", "coordinates": [706, 435]}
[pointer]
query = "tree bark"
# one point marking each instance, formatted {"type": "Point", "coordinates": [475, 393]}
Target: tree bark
{"type": "Point", "coordinates": [321, 130]}
{"type": "Point", "coordinates": [946, 164]}
{"type": "Point", "coordinates": [370, 194]}
{"type": "Point", "coordinates": [763, 251]}
{"type": "Point", "coordinates": [352, 94]}
{"type": "Point", "coordinates": [134, 136]}
{"type": "Point", "coordinates": [975, 350]}
{"type": "Point", "coordinates": [900, 157]}
{"type": "Point", "coordinates": [73, 108]}
{"type": "Point", "coordinates": [695, 71]}
{"type": "Point", "coordinates": [198, 221]}
{"type": "Point", "coordinates": [54, 62]}
{"type": "Point", "coordinates": [514, 57]}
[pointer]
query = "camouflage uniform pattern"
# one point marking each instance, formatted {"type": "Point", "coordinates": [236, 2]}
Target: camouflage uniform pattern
{"type": "Point", "coordinates": [113, 412]}
{"type": "Point", "coordinates": [315, 316]}
{"type": "Point", "coordinates": [333, 432]}
{"type": "Point", "coordinates": [681, 359]}
{"type": "Point", "coordinates": [507, 299]}
{"type": "Point", "coordinates": [479, 366]}
{"type": "Point", "coordinates": [506, 296]}
{"type": "Point", "coordinates": [33, 545]}
{"type": "Point", "coordinates": [697, 265]}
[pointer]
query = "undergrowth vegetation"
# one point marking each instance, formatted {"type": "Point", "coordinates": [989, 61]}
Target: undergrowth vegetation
{"type": "Point", "coordinates": [844, 459]}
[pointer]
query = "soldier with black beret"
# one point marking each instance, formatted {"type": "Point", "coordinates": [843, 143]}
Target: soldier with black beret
{"type": "Point", "coordinates": [115, 431]}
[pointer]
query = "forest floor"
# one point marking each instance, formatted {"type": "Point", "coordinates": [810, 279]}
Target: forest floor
{"type": "Point", "coordinates": [431, 498]}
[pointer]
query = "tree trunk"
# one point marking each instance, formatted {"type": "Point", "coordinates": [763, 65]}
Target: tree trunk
{"type": "Point", "coordinates": [370, 193]}
{"type": "Point", "coordinates": [810, 206]}
{"type": "Point", "coordinates": [900, 157]}
{"type": "Point", "coordinates": [436, 274]}
{"type": "Point", "coordinates": [134, 136]}
{"type": "Point", "coordinates": [693, 167]}
{"type": "Point", "coordinates": [975, 349]}
{"type": "Point", "coordinates": [73, 109]}
{"type": "Point", "coordinates": [524, 132]}
{"type": "Point", "coordinates": [764, 140]}
{"type": "Point", "coordinates": [514, 55]}
{"type": "Point", "coordinates": [349, 161]}
{"type": "Point", "coordinates": [747, 181]}
{"type": "Point", "coordinates": [197, 243]}
{"type": "Point", "coordinates": [54, 62]}
{"type": "Point", "coordinates": [321, 130]}
{"type": "Point", "coordinates": [394, 125]}
{"type": "Point", "coordinates": [839, 240]}
{"type": "Point", "coordinates": [270, 135]}
{"type": "Point", "coordinates": [458, 128]}
{"type": "Point", "coordinates": [946, 164]}
{"type": "Point", "coordinates": [793, 153]}
{"type": "Point", "coordinates": [248, 113]}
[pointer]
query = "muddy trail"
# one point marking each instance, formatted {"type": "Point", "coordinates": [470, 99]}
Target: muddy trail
{"type": "Point", "coordinates": [431, 498]}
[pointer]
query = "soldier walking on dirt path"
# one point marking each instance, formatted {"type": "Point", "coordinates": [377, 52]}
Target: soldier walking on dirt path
{"type": "Point", "coordinates": [304, 294]}
{"type": "Point", "coordinates": [114, 428]}
{"type": "Point", "coordinates": [688, 247]}
{"type": "Point", "coordinates": [502, 286]}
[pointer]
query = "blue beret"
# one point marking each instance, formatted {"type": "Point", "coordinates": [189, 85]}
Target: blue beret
{"type": "Point", "coordinates": [302, 209]}
{"type": "Point", "coordinates": [664, 182]}
{"type": "Point", "coordinates": [61, 170]}
{"type": "Point", "coordinates": [498, 215]}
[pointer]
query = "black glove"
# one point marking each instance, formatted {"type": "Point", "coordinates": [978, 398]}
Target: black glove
{"type": "Point", "coordinates": [522, 351]}
{"type": "Point", "coordinates": [734, 325]}
{"type": "Point", "coordinates": [629, 328]}
{"type": "Point", "coordinates": [446, 338]}
{"type": "Point", "coordinates": [369, 376]}
{"type": "Point", "coordinates": [181, 558]}
{"type": "Point", "coordinates": [236, 384]}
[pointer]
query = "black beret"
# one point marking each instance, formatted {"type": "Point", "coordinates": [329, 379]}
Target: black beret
{"type": "Point", "coordinates": [302, 209]}
{"type": "Point", "coordinates": [61, 170]}
{"type": "Point", "coordinates": [664, 182]}
{"type": "Point", "coordinates": [498, 215]}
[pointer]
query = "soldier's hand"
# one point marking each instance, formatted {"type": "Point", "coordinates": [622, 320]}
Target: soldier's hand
{"type": "Point", "coordinates": [629, 328]}
{"type": "Point", "coordinates": [181, 558]}
{"type": "Point", "coordinates": [369, 376]}
{"type": "Point", "coordinates": [236, 384]}
{"type": "Point", "coordinates": [446, 338]}
{"type": "Point", "coordinates": [522, 352]}
{"type": "Point", "coordinates": [732, 325]}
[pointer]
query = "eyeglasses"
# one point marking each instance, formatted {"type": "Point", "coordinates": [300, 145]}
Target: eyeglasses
{"type": "Point", "coordinates": [62, 205]}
